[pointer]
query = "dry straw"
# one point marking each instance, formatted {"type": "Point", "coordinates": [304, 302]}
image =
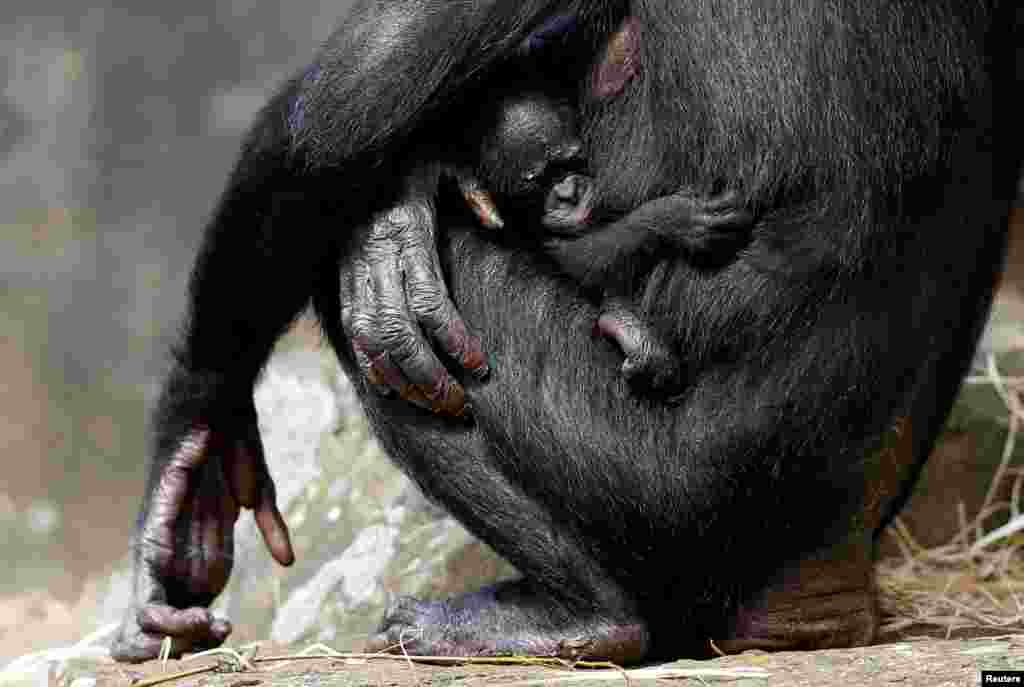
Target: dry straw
{"type": "Point", "coordinates": [974, 584]}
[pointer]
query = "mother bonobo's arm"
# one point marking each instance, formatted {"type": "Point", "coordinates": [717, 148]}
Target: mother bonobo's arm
{"type": "Point", "coordinates": [390, 75]}
{"type": "Point", "coordinates": [323, 156]}
{"type": "Point", "coordinates": [398, 72]}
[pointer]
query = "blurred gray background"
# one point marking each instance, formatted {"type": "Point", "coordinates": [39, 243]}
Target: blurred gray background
{"type": "Point", "coordinates": [117, 129]}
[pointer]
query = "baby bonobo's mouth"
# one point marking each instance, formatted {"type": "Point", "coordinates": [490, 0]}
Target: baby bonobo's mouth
{"type": "Point", "coordinates": [568, 204]}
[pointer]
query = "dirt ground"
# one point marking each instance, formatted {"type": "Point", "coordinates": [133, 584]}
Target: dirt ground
{"type": "Point", "coordinates": [918, 662]}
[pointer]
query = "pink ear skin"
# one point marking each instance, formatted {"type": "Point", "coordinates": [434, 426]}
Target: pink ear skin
{"type": "Point", "coordinates": [621, 60]}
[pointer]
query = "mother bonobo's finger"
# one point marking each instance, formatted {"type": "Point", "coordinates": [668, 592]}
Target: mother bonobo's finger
{"type": "Point", "coordinates": [132, 645]}
{"type": "Point", "coordinates": [428, 298]}
{"type": "Point", "coordinates": [426, 291]}
{"type": "Point", "coordinates": [252, 487]}
{"type": "Point", "coordinates": [193, 624]}
{"type": "Point", "coordinates": [362, 322]}
{"type": "Point", "coordinates": [400, 311]}
{"type": "Point", "coordinates": [190, 629]}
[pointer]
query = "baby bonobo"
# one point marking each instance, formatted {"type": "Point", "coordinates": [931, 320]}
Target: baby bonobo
{"type": "Point", "coordinates": [531, 163]}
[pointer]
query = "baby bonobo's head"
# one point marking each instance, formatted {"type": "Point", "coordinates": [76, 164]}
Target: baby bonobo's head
{"type": "Point", "coordinates": [531, 160]}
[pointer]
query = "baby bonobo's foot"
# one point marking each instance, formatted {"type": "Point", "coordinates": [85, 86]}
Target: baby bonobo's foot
{"type": "Point", "coordinates": [507, 619]}
{"type": "Point", "coordinates": [650, 367]}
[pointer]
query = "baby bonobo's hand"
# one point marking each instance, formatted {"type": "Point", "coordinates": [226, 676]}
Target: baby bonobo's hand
{"type": "Point", "coordinates": [708, 231]}
{"type": "Point", "coordinates": [719, 226]}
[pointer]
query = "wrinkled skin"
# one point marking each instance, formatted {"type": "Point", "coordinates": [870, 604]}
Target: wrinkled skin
{"type": "Point", "coordinates": [395, 305]}
{"type": "Point", "coordinates": [185, 547]}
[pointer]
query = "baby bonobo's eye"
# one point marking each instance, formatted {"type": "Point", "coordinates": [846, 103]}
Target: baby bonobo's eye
{"type": "Point", "coordinates": [568, 204]}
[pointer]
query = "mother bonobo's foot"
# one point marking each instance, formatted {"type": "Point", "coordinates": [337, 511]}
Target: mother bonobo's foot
{"type": "Point", "coordinates": [507, 619]}
{"type": "Point", "coordinates": [827, 600]}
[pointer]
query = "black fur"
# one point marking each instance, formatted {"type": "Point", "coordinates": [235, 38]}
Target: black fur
{"type": "Point", "coordinates": [878, 145]}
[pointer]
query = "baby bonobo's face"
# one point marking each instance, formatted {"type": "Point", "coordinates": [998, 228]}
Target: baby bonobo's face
{"type": "Point", "coordinates": [532, 160]}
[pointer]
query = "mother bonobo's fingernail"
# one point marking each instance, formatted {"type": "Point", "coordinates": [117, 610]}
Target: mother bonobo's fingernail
{"type": "Point", "coordinates": [447, 397]}
{"type": "Point", "coordinates": [383, 375]}
{"type": "Point", "coordinates": [452, 403]}
{"type": "Point", "coordinates": [469, 349]}
{"type": "Point", "coordinates": [378, 383]}
{"type": "Point", "coordinates": [220, 629]}
{"type": "Point", "coordinates": [475, 360]}
{"type": "Point", "coordinates": [384, 392]}
{"type": "Point", "coordinates": [414, 394]}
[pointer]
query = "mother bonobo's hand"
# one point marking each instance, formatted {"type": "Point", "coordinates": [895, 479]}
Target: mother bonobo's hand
{"type": "Point", "coordinates": [392, 288]}
{"type": "Point", "coordinates": [185, 544]}
{"type": "Point", "coordinates": [393, 298]}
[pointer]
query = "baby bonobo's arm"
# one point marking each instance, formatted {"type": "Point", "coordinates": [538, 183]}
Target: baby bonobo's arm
{"type": "Point", "coordinates": [708, 231]}
{"type": "Point", "coordinates": [527, 144]}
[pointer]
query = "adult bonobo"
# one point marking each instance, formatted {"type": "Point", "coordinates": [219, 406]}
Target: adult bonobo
{"type": "Point", "coordinates": [820, 361]}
